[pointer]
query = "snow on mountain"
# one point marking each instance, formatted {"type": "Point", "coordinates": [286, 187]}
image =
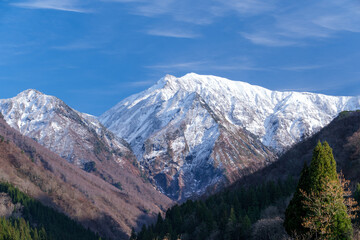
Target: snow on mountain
{"type": "Point", "coordinates": [191, 132]}
{"type": "Point", "coordinates": [111, 209]}
{"type": "Point", "coordinates": [75, 136]}
{"type": "Point", "coordinates": [279, 119]}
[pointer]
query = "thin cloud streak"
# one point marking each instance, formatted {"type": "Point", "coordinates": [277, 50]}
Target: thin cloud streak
{"type": "Point", "coordinates": [64, 5]}
{"type": "Point", "coordinates": [183, 65]}
{"type": "Point", "coordinates": [172, 33]}
{"type": "Point", "coordinates": [249, 7]}
{"type": "Point", "coordinates": [78, 46]}
{"type": "Point", "coordinates": [301, 68]}
{"type": "Point", "coordinates": [267, 40]}
{"type": "Point", "coordinates": [112, 90]}
{"type": "Point", "coordinates": [199, 12]}
{"type": "Point", "coordinates": [242, 66]}
{"type": "Point", "coordinates": [141, 83]}
{"type": "Point", "coordinates": [309, 20]}
{"type": "Point", "coordinates": [206, 66]}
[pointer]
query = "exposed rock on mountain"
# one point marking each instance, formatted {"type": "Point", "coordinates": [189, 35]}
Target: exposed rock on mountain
{"type": "Point", "coordinates": [192, 132]}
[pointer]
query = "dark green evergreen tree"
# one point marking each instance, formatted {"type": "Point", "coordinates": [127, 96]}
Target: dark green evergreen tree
{"type": "Point", "coordinates": [47, 222]}
{"type": "Point", "coordinates": [133, 234]}
{"type": "Point", "coordinates": [226, 215]}
{"type": "Point", "coordinates": [317, 209]}
{"type": "Point", "coordinates": [295, 212]}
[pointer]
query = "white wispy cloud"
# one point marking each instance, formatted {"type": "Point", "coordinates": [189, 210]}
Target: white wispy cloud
{"type": "Point", "coordinates": [300, 68]}
{"type": "Point", "coordinates": [78, 45]}
{"type": "Point", "coordinates": [180, 65]}
{"type": "Point", "coordinates": [340, 22]}
{"type": "Point", "coordinates": [207, 65]}
{"type": "Point", "coordinates": [266, 39]}
{"type": "Point", "coordinates": [309, 20]}
{"type": "Point", "coordinates": [141, 83]}
{"type": "Point", "coordinates": [248, 7]}
{"type": "Point", "coordinates": [61, 5]}
{"type": "Point", "coordinates": [331, 86]}
{"type": "Point", "coordinates": [153, 7]}
{"type": "Point", "coordinates": [242, 64]}
{"type": "Point", "coordinates": [172, 33]}
{"type": "Point", "coordinates": [282, 23]}
{"type": "Point", "coordinates": [200, 12]}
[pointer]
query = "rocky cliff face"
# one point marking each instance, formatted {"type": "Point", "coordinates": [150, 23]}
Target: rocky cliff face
{"type": "Point", "coordinates": [194, 132]}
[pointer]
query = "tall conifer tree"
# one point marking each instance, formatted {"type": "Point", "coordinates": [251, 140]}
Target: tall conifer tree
{"type": "Point", "coordinates": [317, 209]}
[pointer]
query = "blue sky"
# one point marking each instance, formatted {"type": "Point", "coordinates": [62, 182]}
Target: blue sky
{"type": "Point", "coordinates": [94, 53]}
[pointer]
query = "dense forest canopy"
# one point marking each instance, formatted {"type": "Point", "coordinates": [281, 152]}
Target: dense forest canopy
{"type": "Point", "coordinates": [227, 215]}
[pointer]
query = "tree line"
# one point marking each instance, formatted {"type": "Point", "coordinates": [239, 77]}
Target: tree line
{"type": "Point", "coordinates": [225, 216]}
{"type": "Point", "coordinates": [39, 221]}
{"type": "Point", "coordinates": [322, 207]}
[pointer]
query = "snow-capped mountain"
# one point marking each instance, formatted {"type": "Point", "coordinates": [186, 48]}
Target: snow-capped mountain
{"type": "Point", "coordinates": [75, 136]}
{"type": "Point", "coordinates": [83, 141]}
{"type": "Point", "coordinates": [109, 209]}
{"type": "Point", "coordinates": [192, 132]}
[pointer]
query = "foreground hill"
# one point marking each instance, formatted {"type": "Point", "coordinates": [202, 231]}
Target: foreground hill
{"type": "Point", "coordinates": [84, 197]}
{"type": "Point", "coordinates": [192, 132]}
{"type": "Point", "coordinates": [254, 207]}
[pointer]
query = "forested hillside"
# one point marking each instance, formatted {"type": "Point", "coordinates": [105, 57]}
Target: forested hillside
{"type": "Point", "coordinates": [19, 229]}
{"type": "Point", "coordinates": [226, 215]}
{"type": "Point", "coordinates": [39, 221]}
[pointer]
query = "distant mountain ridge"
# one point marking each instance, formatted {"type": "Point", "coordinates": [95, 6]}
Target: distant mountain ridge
{"type": "Point", "coordinates": [179, 128]}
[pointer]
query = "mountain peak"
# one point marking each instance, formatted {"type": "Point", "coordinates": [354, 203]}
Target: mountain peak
{"type": "Point", "coordinates": [188, 77]}
{"type": "Point", "coordinates": [36, 98]}
{"type": "Point", "coordinates": [167, 78]}
{"type": "Point", "coordinates": [30, 92]}
{"type": "Point", "coordinates": [191, 75]}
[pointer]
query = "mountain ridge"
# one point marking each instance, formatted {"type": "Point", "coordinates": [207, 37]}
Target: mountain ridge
{"type": "Point", "coordinates": [196, 108]}
{"type": "Point", "coordinates": [185, 135]}
{"type": "Point", "coordinates": [276, 100]}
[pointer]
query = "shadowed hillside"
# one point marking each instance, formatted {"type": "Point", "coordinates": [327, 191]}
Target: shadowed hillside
{"type": "Point", "coordinates": [342, 134]}
{"type": "Point", "coordinates": [104, 208]}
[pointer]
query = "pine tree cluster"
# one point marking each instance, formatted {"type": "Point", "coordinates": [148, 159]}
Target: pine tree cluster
{"type": "Point", "coordinates": [49, 223]}
{"type": "Point", "coordinates": [225, 216]}
{"type": "Point", "coordinates": [19, 229]}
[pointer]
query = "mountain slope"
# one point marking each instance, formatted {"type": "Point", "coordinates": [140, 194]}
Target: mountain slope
{"type": "Point", "coordinates": [187, 118]}
{"type": "Point", "coordinates": [270, 186]}
{"type": "Point", "coordinates": [75, 136]}
{"type": "Point", "coordinates": [51, 223]}
{"type": "Point", "coordinates": [343, 136]}
{"type": "Point", "coordinates": [110, 208]}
